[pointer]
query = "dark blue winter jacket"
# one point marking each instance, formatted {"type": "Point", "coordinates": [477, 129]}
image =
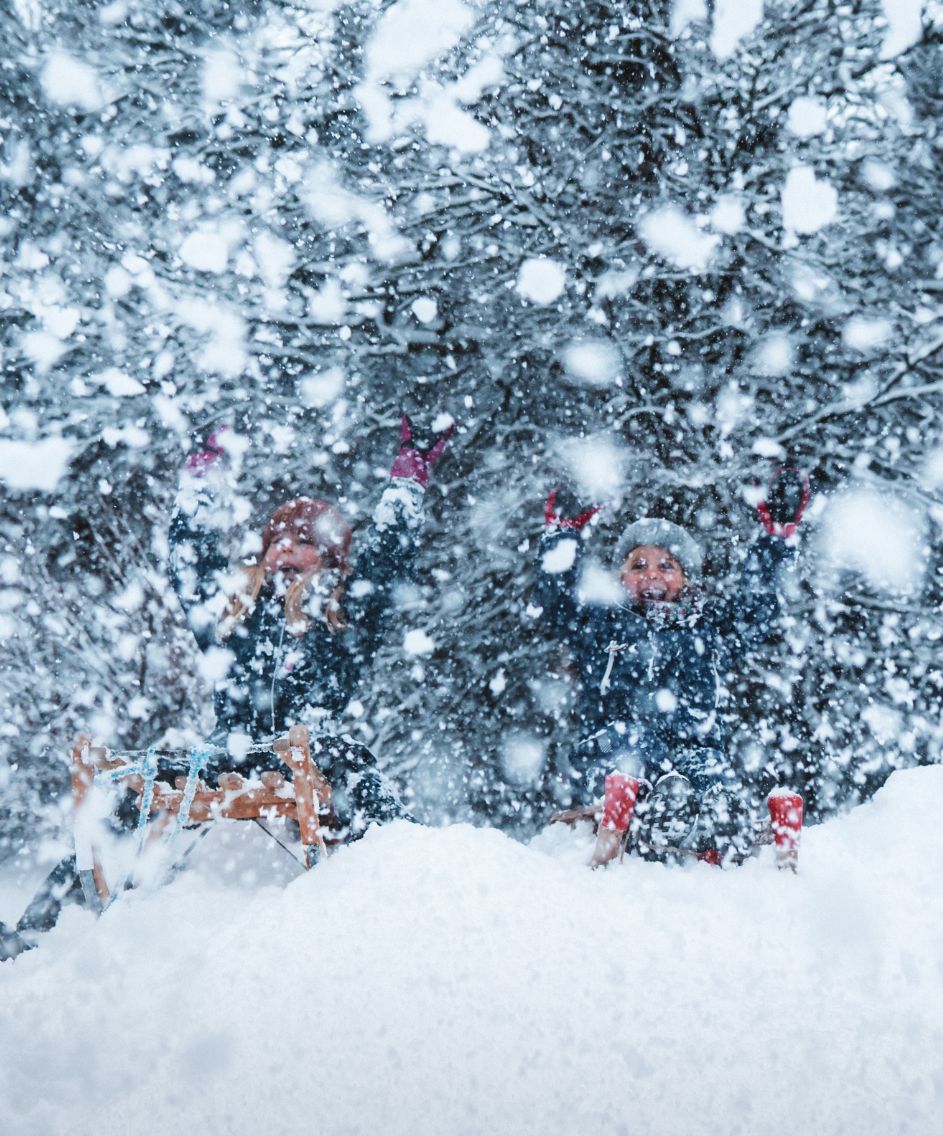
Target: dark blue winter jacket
{"type": "Point", "coordinates": [653, 674]}
{"type": "Point", "coordinates": [274, 678]}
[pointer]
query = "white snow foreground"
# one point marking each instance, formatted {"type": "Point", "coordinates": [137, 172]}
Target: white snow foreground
{"type": "Point", "coordinates": [431, 981]}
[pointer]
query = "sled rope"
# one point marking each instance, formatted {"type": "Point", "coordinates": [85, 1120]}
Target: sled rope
{"type": "Point", "coordinates": [146, 768]}
{"type": "Point", "coordinates": [268, 832]}
{"type": "Point", "coordinates": [178, 865]}
{"type": "Point", "coordinates": [113, 776]}
{"type": "Point", "coordinates": [149, 773]}
{"type": "Point", "coordinates": [199, 756]}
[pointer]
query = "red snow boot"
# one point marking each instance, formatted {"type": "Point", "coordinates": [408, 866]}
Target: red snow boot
{"type": "Point", "coordinates": [621, 794]}
{"type": "Point", "coordinates": [785, 813]}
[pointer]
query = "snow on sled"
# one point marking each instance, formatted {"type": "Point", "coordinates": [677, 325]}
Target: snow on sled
{"type": "Point", "coordinates": [159, 795]}
{"type": "Point", "coordinates": [612, 823]}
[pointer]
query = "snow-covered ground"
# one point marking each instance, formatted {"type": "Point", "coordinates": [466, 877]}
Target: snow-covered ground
{"type": "Point", "coordinates": [433, 981]}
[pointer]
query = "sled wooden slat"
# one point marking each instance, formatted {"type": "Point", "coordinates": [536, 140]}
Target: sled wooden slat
{"type": "Point", "coordinates": [302, 799]}
{"type": "Point", "coordinates": [85, 759]}
{"type": "Point", "coordinates": [296, 754]}
{"type": "Point", "coordinates": [83, 768]}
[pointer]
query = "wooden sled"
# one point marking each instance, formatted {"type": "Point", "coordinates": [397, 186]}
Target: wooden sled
{"type": "Point", "coordinates": [190, 802]}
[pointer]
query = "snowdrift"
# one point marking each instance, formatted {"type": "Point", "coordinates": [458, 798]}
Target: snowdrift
{"type": "Point", "coordinates": [431, 981]}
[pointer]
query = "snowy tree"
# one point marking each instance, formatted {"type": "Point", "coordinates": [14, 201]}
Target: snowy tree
{"type": "Point", "coordinates": [629, 246]}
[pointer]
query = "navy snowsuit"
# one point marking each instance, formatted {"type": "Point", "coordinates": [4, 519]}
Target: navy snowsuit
{"type": "Point", "coordinates": [275, 678]}
{"type": "Point", "coordinates": [651, 675]}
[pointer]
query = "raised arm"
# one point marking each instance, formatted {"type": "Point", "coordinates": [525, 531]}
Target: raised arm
{"type": "Point", "coordinates": [197, 565]}
{"type": "Point", "coordinates": [388, 559]}
{"type": "Point", "coordinates": [559, 556]}
{"type": "Point", "coordinates": [755, 611]}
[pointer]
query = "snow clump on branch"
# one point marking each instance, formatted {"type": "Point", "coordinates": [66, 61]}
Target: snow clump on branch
{"type": "Point", "coordinates": [675, 236]}
{"type": "Point", "coordinates": [809, 204]}
{"type": "Point", "coordinates": [541, 280]}
{"type": "Point", "coordinates": [592, 362]}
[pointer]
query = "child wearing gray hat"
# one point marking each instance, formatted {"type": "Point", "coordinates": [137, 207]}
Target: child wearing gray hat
{"type": "Point", "coordinates": [650, 666]}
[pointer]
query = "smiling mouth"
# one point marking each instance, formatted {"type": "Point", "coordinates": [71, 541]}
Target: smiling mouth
{"type": "Point", "coordinates": [653, 594]}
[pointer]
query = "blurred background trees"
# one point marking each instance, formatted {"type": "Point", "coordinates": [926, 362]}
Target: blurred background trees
{"type": "Point", "coordinates": [637, 248]}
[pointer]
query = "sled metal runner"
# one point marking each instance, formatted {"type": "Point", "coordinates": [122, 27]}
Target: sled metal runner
{"type": "Point", "coordinates": [191, 802]}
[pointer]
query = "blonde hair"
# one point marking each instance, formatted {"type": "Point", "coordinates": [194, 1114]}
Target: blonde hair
{"type": "Point", "coordinates": [244, 599]}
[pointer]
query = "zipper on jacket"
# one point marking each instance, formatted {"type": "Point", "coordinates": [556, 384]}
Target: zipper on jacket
{"type": "Point", "coordinates": [277, 661]}
{"type": "Point", "coordinates": [614, 649]}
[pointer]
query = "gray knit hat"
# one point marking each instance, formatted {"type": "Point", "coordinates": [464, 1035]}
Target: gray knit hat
{"type": "Point", "coordinates": [663, 534]}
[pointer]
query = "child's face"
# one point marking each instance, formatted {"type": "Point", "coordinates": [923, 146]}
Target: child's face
{"type": "Point", "coordinates": [652, 575]}
{"type": "Point", "coordinates": [290, 556]}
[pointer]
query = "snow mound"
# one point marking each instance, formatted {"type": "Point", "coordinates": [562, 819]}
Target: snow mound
{"type": "Point", "coordinates": [451, 980]}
